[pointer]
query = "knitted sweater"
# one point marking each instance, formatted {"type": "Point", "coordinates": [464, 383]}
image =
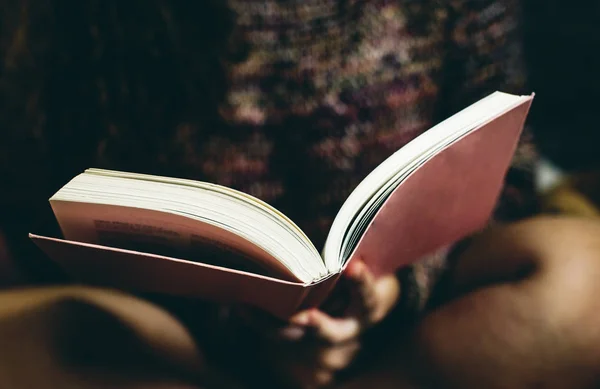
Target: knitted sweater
{"type": "Point", "coordinates": [294, 102]}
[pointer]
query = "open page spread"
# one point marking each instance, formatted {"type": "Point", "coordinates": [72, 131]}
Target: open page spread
{"type": "Point", "coordinates": [171, 235]}
{"type": "Point", "coordinates": [183, 214]}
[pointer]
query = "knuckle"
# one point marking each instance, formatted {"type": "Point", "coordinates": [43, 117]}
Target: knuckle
{"type": "Point", "coordinates": [338, 357]}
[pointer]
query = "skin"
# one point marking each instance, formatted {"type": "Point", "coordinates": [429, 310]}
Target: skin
{"type": "Point", "coordinates": [526, 315]}
{"type": "Point", "coordinates": [522, 312]}
{"type": "Point", "coordinates": [313, 347]}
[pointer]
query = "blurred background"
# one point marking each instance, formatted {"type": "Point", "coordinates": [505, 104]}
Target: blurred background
{"type": "Point", "coordinates": [562, 46]}
{"type": "Point", "coordinates": [562, 55]}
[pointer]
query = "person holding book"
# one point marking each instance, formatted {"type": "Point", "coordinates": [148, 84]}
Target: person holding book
{"type": "Point", "coordinates": [292, 103]}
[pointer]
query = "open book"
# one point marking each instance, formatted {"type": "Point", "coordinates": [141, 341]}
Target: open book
{"type": "Point", "coordinates": [167, 235]}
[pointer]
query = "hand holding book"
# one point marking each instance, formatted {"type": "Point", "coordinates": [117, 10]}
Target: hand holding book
{"type": "Point", "coordinates": [196, 239]}
{"type": "Point", "coordinates": [371, 299]}
{"type": "Point", "coordinates": [314, 345]}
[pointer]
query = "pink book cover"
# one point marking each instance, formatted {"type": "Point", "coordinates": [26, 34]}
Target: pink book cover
{"type": "Point", "coordinates": [449, 197]}
{"type": "Point", "coordinates": [149, 273]}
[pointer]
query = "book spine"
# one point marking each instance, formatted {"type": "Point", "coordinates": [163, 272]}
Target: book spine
{"type": "Point", "coordinates": [318, 293]}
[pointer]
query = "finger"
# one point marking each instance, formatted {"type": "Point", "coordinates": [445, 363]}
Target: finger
{"type": "Point", "coordinates": [362, 286]}
{"type": "Point", "coordinates": [291, 333]}
{"type": "Point", "coordinates": [294, 330]}
{"type": "Point", "coordinates": [387, 292]}
{"type": "Point", "coordinates": [338, 357]}
{"type": "Point", "coordinates": [301, 318]}
{"type": "Point", "coordinates": [373, 297]}
{"type": "Point", "coordinates": [267, 327]}
{"type": "Point", "coordinates": [332, 330]}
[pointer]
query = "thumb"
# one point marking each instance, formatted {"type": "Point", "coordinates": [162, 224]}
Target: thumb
{"type": "Point", "coordinates": [361, 283]}
{"type": "Point", "coordinates": [326, 328]}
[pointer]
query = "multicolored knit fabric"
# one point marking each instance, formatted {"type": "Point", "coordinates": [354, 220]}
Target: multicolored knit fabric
{"type": "Point", "coordinates": [294, 102]}
{"type": "Point", "coordinates": [329, 89]}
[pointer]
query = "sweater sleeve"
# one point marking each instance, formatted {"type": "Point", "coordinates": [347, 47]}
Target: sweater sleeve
{"type": "Point", "coordinates": [483, 55]}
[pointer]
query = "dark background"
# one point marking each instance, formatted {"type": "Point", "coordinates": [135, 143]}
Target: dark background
{"type": "Point", "coordinates": [562, 47]}
{"type": "Point", "coordinates": [563, 54]}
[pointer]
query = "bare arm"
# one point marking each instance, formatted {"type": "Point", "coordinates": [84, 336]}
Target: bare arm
{"type": "Point", "coordinates": [524, 314]}
{"type": "Point", "coordinates": [528, 314]}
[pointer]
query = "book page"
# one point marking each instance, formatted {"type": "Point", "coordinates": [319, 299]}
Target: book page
{"type": "Point", "coordinates": [164, 234]}
{"type": "Point", "coordinates": [213, 216]}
